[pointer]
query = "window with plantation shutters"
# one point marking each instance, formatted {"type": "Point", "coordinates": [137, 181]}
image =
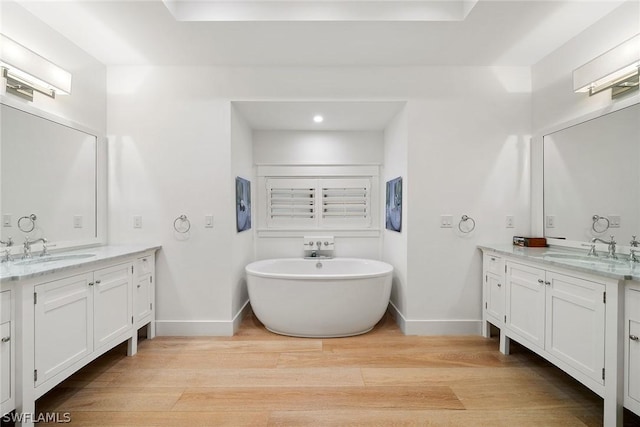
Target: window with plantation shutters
{"type": "Point", "coordinates": [340, 200]}
{"type": "Point", "coordinates": [291, 202]}
{"type": "Point", "coordinates": [318, 203]}
{"type": "Point", "coordinates": [345, 202]}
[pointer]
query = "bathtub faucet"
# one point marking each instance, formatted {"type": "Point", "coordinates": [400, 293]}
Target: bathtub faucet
{"type": "Point", "coordinates": [316, 255]}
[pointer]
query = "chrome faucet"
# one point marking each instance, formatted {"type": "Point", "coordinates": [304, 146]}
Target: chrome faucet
{"type": "Point", "coordinates": [612, 246]}
{"type": "Point", "coordinates": [6, 255]}
{"type": "Point", "coordinates": [633, 251]}
{"type": "Point", "coordinates": [592, 249]}
{"type": "Point", "coordinates": [27, 247]}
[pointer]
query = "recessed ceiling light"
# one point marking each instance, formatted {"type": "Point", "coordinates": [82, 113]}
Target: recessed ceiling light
{"type": "Point", "coordinates": [318, 118]}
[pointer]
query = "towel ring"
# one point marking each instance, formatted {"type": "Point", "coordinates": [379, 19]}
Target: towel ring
{"type": "Point", "coordinates": [179, 227]}
{"type": "Point", "coordinates": [463, 220]}
{"type": "Point", "coordinates": [28, 226]}
{"type": "Point", "coordinates": [596, 220]}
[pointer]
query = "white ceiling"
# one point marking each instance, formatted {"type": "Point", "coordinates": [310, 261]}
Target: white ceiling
{"type": "Point", "coordinates": [338, 116]}
{"type": "Point", "coordinates": [504, 32]}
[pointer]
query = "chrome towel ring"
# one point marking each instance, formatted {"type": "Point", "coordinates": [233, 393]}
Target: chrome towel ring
{"type": "Point", "coordinates": [466, 219]}
{"type": "Point", "coordinates": [600, 223]}
{"type": "Point", "coordinates": [27, 223]}
{"type": "Point", "coordinates": [182, 224]}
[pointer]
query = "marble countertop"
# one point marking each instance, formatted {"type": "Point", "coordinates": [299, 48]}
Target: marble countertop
{"type": "Point", "coordinates": [19, 270]}
{"type": "Point", "coordinates": [572, 259]}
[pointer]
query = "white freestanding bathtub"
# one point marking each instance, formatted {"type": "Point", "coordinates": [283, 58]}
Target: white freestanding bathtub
{"type": "Point", "coordinates": [319, 297]}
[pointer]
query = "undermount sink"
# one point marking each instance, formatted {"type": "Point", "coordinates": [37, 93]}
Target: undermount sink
{"type": "Point", "coordinates": [53, 258]}
{"type": "Point", "coordinates": [583, 259]}
{"type": "Point", "coordinates": [575, 257]}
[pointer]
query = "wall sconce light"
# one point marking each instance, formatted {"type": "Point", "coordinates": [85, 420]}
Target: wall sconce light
{"type": "Point", "coordinates": [26, 72]}
{"type": "Point", "coordinates": [616, 69]}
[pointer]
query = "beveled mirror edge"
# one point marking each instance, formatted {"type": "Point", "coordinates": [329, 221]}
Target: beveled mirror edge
{"type": "Point", "coordinates": [101, 178]}
{"type": "Point", "coordinates": [537, 165]}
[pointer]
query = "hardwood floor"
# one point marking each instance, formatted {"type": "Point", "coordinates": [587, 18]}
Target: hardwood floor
{"type": "Point", "coordinates": [383, 378]}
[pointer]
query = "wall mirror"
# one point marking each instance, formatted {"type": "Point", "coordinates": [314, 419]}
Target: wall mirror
{"type": "Point", "coordinates": [49, 171]}
{"type": "Point", "coordinates": [592, 178]}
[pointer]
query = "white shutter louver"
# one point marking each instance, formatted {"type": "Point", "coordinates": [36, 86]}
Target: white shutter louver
{"type": "Point", "coordinates": [346, 202]}
{"type": "Point", "coordinates": [291, 202]}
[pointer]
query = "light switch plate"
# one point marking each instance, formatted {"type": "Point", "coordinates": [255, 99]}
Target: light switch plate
{"type": "Point", "coordinates": [6, 220]}
{"type": "Point", "coordinates": [510, 221]}
{"type": "Point", "coordinates": [614, 221]}
{"type": "Point", "coordinates": [550, 221]}
{"type": "Point", "coordinates": [77, 221]}
{"type": "Point", "coordinates": [137, 221]}
{"type": "Point", "coordinates": [208, 221]}
{"type": "Point", "coordinates": [446, 221]}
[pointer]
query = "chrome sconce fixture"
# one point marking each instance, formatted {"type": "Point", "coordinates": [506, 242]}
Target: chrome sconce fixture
{"type": "Point", "coordinates": [25, 72]}
{"type": "Point", "coordinates": [616, 69]}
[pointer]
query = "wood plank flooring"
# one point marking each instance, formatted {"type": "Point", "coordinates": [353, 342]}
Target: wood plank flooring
{"type": "Point", "coordinates": [383, 378]}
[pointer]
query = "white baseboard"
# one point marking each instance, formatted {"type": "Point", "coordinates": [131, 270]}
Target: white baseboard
{"type": "Point", "coordinates": [194, 328]}
{"type": "Point", "coordinates": [200, 328]}
{"type": "Point", "coordinates": [237, 319]}
{"type": "Point", "coordinates": [435, 326]}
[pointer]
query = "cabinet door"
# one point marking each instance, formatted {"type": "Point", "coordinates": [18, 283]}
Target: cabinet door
{"type": "Point", "coordinates": [143, 297]}
{"type": "Point", "coordinates": [525, 302]}
{"type": "Point", "coordinates": [575, 323]}
{"type": "Point", "coordinates": [495, 297]}
{"type": "Point", "coordinates": [63, 324]}
{"type": "Point", "coordinates": [633, 349]}
{"type": "Point", "coordinates": [6, 375]}
{"type": "Point", "coordinates": [144, 288]}
{"type": "Point", "coordinates": [113, 308]}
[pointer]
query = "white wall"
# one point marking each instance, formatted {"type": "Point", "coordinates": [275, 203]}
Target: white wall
{"type": "Point", "coordinates": [317, 147]}
{"type": "Point", "coordinates": [468, 155]}
{"type": "Point", "coordinates": [170, 154]}
{"type": "Point", "coordinates": [395, 243]}
{"type": "Point", "coordinates": [555, 105]}
{"type": "Point", "coordinates": [467, 132]}
{"type": "Point", "coordinates": [243, 251]}
{"type": "Point", "coordinates": [87, 103]}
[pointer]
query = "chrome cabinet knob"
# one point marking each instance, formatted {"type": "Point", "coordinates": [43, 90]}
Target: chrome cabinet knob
{"type": "Point", "coordinates": [540, 281]}
{"type": "Point", "coordinates": [6, 339]}
{"type": "Point", "coordinates": [634, 337]}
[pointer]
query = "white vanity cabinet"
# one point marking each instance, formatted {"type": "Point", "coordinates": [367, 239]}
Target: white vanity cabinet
{"type": "Point", "coordinates": [79, 314]}
{"type": "Point", "coordinates": [571, 316]}
{"type": "Point", "coordinates": [559, 314]}
{"type": "Point", "coordinates": [7, 353]}
{"type": "Point", "coordinates": [632, 348]}
{"type": "Point", "coordinates": [66, 312]}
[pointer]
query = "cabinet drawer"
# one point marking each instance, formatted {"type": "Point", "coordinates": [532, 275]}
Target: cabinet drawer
{"type": "Point", "coordinates": [145, 265]}
{"type": "Point", "coordinates": [5, 302]}
{"type": "Point", "coordinates": [494, 264]}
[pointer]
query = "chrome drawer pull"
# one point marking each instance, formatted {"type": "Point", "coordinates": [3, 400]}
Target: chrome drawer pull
{"type": "Point", "coordinates": [634, 337]}
{"type": "Point", "coordinates": [7, 339]}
